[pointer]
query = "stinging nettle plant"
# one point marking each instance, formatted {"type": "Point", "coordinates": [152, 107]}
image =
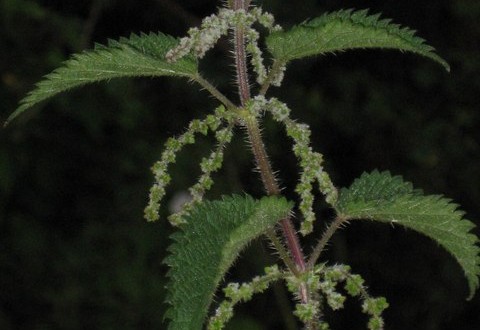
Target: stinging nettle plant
{"type": "Point", "coordinates": [211, 234]}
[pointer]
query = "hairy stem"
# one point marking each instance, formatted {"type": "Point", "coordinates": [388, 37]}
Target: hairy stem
{"type": "Point", "coordinates": [261, 157]}
{"type": "Point", "coordinates": [258, 148]}
{"type": "Point", "coordinates": [272, 236]}
{"type": "Point", "coordinates": [317, 251]}
{"type": "Point", "coordinates": [241, 56]}
{"type": "Point", "coordinates": [272, 188]}
{"type": "Point", "coordinates": [215, 92]}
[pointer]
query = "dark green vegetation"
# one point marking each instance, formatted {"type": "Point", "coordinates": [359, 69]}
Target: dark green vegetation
{"type": "Point", "coordinates": [75, 181]}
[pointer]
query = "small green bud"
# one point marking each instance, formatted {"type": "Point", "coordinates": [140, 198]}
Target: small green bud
{"type": "Point", "coordinates": [216, 324]}
{"type": "Point", "coordinates": [224, 135]}
{"type": "Point", "coordinates": [168, 156]}
{"type": "Point", "coordinates": [176, 219]}
{"type": "Point", "coordinates": [323, 326]}
{"type": "Point", "coordinates": [206, 182]}
{"type": "Point", "coordinates": [293, 284]}
{"type": "Point", "coordinates": [245, 292]}
{"type": "Point", "coordinates": [375, 323]}
{"type": "Point", "coordinates": [260, 285]}
{"type": "Point", "coordinates": [308, 311]}
{"type": "Point", "coordinates": [337, 273]}
{"type": "Point", "coordinates": [220, 111]}
{"type": "Point", "coordinates": [272, 270]}
{"type": "Point", "coordinates": [327, 286]}
{"type": "Point", "coordinates": [335, 300]}
{"type": "Point", "coordinates": [223, 313]}
{"type": "Point", "coordinates": [151, 212]}
{"type": "Point", "coordinates": [231, 290]}
{"type": "Point", "coordinates": [307, 225]}
{"type": "Point", "coordinates": [173, 144]}
{"type": "Point", "coordinates": [374, 306]}
{"type": "Point", "coordinates": [354, 285]}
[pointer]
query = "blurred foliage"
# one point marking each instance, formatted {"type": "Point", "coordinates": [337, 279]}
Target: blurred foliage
{"type": "Point", "coordinates": [74, 174]}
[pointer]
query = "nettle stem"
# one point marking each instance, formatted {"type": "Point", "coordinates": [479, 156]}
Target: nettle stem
{"type": "Point", "coordinates": [258, 148]}
{"type": "Point", "coordinates": [320, 247]}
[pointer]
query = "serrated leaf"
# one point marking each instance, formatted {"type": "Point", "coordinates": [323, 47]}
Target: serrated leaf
{"type": "Point", "coordinates": [343, 30]}
{"type": "Point", "coordinates": [206, 247]}
{"type": "Point", "coordinates": [386, 198]}
{"type": "Point", "coordinates": [138, 56]}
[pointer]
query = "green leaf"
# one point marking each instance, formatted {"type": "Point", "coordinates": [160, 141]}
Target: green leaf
{"type": "Point", "coordinates": [343, 30]}
{"type": "Point", "coordinates": [385, 198]}
{"type": "Point", "coordinates": [138, 56]}
{"type": "Point", "coordinates": [206, 247]}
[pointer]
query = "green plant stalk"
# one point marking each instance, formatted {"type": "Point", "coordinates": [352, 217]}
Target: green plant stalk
{"type": "Point", "coordinates": [327, 235]}
{"type": "Point", "coordinates": [258, 148]}
{"type": "Point", "coordinates": [215, 92]}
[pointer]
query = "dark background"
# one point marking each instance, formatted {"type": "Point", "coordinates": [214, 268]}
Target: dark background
{"type": "Point", "coordinates": [75, 252]}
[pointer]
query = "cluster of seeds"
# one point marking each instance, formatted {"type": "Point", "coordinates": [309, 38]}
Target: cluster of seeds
{"type": "Point", "coordinates": [309, 161]}
{"type": "Point", "coordinates": [213, 27]}
{"type": "Point", "coordinates": [208, 165]}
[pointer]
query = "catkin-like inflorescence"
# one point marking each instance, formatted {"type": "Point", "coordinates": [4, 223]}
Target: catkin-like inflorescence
{"type": "Point", "coordinates": [208, 166]}
{"type": "Point", "coordinates": [236, 293]}
{"type": "Point", "coordinates": [256, 56]}
{"type": "Point", "coordinates": [200, 40]}
{"type": "Point", "coordinates": [279, 75]}
{"type": "Point", "coordinates": [309, 161]}
{"type": "Point", "coordinates": [213, 27]}
{"type": "Point", "coordinates": [324, 280]}
{"type": "Point", "coordinates": [354, 285]}
{"type": "Point", "coordinates": [265, 19]}
{"type": "Point", "coordinates": [175, 145]}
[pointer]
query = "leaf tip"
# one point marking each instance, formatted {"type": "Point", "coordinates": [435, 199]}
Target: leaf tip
{"type": "Point", "coordinates": [12, 116]}
{"type": "Point", "coordinates": [446, 66]}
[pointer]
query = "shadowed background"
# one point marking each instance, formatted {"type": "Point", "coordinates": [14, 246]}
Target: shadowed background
{"type": "Point", "coordinates": [75, 251]}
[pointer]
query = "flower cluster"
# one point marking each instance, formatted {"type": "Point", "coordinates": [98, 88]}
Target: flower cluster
{"type": "Point", "coordinates": [213, 27]}
{"type": "Point", "coordinates": [256, 58]}
{"type": "Point", "coordinates": [354, 286]}
{"type": "Point", "coordinates": [279, 71]}
{"type": "Point", "coordinates": [208, 165]}
{"type": "Point", "coordinates": [200, 40]}
{"type": "Point", "coordinates": [323, 280]}
{"type": "Point", "coordinates": [309, 161]}
{"type": "Point", "coordinates": [175, 145]}
{"type": "Point", "coordinates": [236, 293]}
{"type": "Point", "coordinates": [305, 311]}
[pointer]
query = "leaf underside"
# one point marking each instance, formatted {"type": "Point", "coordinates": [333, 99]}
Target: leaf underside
{"type": "Point", "coordinates": [343, 30]}
{"type": "Point", "coordinates": [385, 198]}
{"type": "Point", "coordinates": [137, 56]}
{"type": "Point", "coordinates": [205, 248]}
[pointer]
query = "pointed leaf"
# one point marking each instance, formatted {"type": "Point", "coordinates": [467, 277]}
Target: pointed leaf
{"type": "Point", "coordinates": [346, 29]}
{"type": "Point", "coordinates": [385, 198]}
{"type": "Point", "coordinates": [138, 56]}
{"type": "Point", "coordinates": [206, 247]}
